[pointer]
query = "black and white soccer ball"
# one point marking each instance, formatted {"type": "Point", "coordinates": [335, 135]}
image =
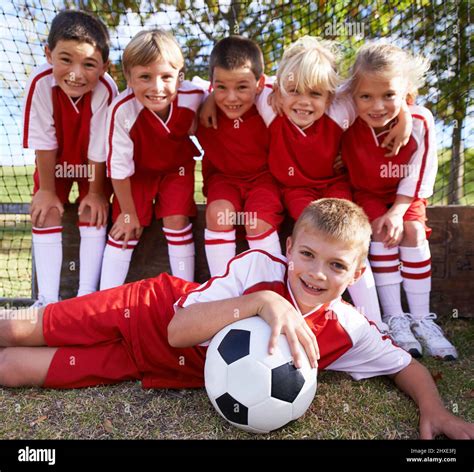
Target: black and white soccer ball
{"type": "Point", "coordinates": [250, 388]}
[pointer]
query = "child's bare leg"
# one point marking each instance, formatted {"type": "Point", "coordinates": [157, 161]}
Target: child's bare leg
{"type": "Point", "coordinates": [25, 366]}
{"type": "Point", "coordinates": [22, 327]}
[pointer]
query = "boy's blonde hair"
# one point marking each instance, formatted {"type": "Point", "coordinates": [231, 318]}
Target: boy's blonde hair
{"type": "Point", "coordinates": [387, 60]}
{"type": "Point", "coordinates": [149, 46]}
{"type": "Point", "coordinates": [309, 63]}
{"type": "Point", "coordinates": [339, 219]}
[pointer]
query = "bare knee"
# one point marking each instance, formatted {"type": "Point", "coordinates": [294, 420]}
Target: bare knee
{"type": "Point", "coordinates": [8, 375]}
{"type": "Point", "coordinates": [414, 234]}
{"type": "Point", "coordinates": [22, 327]}
{"type": "Point", "coordinates": [220, 215]}
{"type": "Point", "coordinates": [257, 227]}
{"type": "Point", "coordinates": [175, 222]}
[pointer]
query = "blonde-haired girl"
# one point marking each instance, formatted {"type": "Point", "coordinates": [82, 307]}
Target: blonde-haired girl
{"type": "Point", "coordinates": [393, 191]}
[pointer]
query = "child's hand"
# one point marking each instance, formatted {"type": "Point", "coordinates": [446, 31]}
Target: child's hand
{"type": "Point", "coordinates": [208, 112]}
{"type": "Point", "coordinates": [274, 101]}
{"type": "Point", "coordinates": [284, 319]}
{"type": "Point", "coordinates": [445, 423]}
{"type": "Point", "coordinates": [98, 206]}
{"type": "Point", "coordinates": [399, 135]}
{"type": "Point", "coordinates": [126, 226]}
{"type": "Point", "coordinates": [393, 224]}
{"type": "Point", "coordinates": [338, 166]}
{"type": "Point", "coordinates": [42, 202]}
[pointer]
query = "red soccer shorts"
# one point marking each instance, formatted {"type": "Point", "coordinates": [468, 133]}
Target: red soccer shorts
{"type": "Point", "coordinates": [165, 194]}
{"type": "Point", "coordinates": [259, 197]}
{"type": "Point", "coordinates": [298, 198]}
{"type": "Point", "coordinates": [376, 207]}
{"type": "Point", "coordinates": [121, 334]}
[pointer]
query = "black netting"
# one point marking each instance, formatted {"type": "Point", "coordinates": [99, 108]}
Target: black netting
{"type": "Point", "coordinates": [439, 29]}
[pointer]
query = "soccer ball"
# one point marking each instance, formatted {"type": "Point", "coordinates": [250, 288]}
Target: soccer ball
{"type": "Point", "coordinates": [250, 388]}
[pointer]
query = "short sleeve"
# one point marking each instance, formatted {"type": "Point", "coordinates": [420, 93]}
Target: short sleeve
{"type": "Point", "coordinates": [371, 355]}
{"type": "Point", "coordinates": [423, 166]}
{"type": "Point", "coordinates": [39, 132]}
{"type": "Point", "coordinates": [264, 109]}
{"type": "Point", "coordinates": [121, 116]}
{"type": "Point", "coordinates": [102, 97]}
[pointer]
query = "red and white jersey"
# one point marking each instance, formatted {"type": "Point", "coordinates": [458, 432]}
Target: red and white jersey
{"type": "Point", "coordinates": [412, 172]}
{"type": "Point", "coordinates": [139, 141]}
{"type": "Point", "coordinates": [238, 148]}
{"type": "Point", "coordinates": [347, 341]}
{"type": "Point", "coordinates": [305, 158]}
{"type": "Point", "coordinates": [75, 127]}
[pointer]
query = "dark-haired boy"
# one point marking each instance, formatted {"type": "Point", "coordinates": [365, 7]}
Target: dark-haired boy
{"type": "Point", "coordinates": [237, 183]}
{"type": "Point", "coordinates": [65, 113]}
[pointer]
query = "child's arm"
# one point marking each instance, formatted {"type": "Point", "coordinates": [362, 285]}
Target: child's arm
{"type": "Point", "coordinates": [393, 221]}
{"type": "Point", "coordinates": [200, 321]}
{"type": "Point", "coordinates": [127, 224]}
{"type": "Point", "coordinates": [416, 381]}
{"type": "Point", "coordinates": [208, 112]}
{"type": "Point", "coordinates": [95, 198]}
{"type": "Point", "coordinates": [45, 198]}
{"type": "Point", "coordinates": [400, 133]}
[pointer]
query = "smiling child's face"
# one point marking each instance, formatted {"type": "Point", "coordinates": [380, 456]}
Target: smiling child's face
{"type": "Point", "coordinates": [320, 268]}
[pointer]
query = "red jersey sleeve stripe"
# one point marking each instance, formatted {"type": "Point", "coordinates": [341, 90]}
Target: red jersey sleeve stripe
{"type": "Point", "coordinates": [109, 89]}
{"type": "Point", "coordinates": [26, 125]}
{"type": "Point", "coordinates": [111, 131]}
{"type": "Point", "coordinates": [191, 91]}
{"type": "Point", "coordinates": [212, 279]}
{"type": "Point", "coordinates": [423, 162]}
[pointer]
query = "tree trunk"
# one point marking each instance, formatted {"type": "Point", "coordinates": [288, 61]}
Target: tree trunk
{"type": "Point", "coordinates": [456, 174]}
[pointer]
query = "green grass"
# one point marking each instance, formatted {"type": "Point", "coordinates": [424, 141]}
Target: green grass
{"type": "Point", "coordinates": [342, 408]}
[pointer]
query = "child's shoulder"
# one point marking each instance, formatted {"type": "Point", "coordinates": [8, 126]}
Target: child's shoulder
{"type": "Point", "coordinates": [419, 112]}
{"type": "Point", "coordinates": [41, 78]}
{"type": "Point", "coordinates": [190, 95]}
{"type": "Point", "coordinates": [125, 100]}
{"type": "Point", "coordinates": [107, 83]}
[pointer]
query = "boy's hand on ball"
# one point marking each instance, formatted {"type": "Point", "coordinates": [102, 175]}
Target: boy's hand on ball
{"type": "Point", "coordinates": [284, 319]}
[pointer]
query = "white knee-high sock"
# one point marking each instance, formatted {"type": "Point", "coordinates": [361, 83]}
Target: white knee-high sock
{"type": "Point", "coordinates": [116, 263]}
{"type": "Point", "coordinates": [48, 253]}
{"type": "Point", "coordinates": [364, 296]}
{"type": "Point", "coordinates": [91, 253]}
{"type": "Point", "coordinates": [267, 241]}
{"type": "Point", "coordinates": [386, 269]}
{"type": "Point", "coordinates": [220, 249]}
{"type": "Point", "coordinates": [181, 251]}
{"type": "Point", "coordinates": [416, 273]}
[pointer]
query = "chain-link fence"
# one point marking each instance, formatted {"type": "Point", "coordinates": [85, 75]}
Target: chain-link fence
{"type": "Point", "coordinates": [440, 30]}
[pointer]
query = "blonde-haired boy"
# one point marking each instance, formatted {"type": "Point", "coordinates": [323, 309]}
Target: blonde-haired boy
{"type": "Point", "coordinates": [150, 155]}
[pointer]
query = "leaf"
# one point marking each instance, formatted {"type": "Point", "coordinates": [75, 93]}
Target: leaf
{"type": "Point", "coordinates": [108, 426]}
{"type": "Point", "coordinates": [437, 376]}
{"type": "Point", "coordinates": [38, 420]}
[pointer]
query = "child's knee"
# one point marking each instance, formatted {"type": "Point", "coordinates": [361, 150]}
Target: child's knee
{"type": "Point", "coordinates": [414, 234]}
{"type": "Point", "coordinates": [53, 218]}
{"type": "Point", "coordinates": [8, 377]}
{"type": "Point", "coordinates": [176, 222]}
{"type": "Point", "coordinates": [220, 215]}
{"type": "Point", "coordinates": [257, 227]}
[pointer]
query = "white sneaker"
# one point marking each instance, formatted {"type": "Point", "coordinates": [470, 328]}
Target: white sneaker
{"type": "Point", "coordinates": [432, 338]}
{"type": "Point", "coordinates": [400, 332]}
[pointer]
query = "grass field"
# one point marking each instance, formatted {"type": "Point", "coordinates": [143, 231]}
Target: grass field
{"type": "Point", "coordinates": [342, 408]}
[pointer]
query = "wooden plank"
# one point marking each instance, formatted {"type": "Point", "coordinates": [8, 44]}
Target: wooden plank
{"type": "Point", "coordinates": [451, 243]}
